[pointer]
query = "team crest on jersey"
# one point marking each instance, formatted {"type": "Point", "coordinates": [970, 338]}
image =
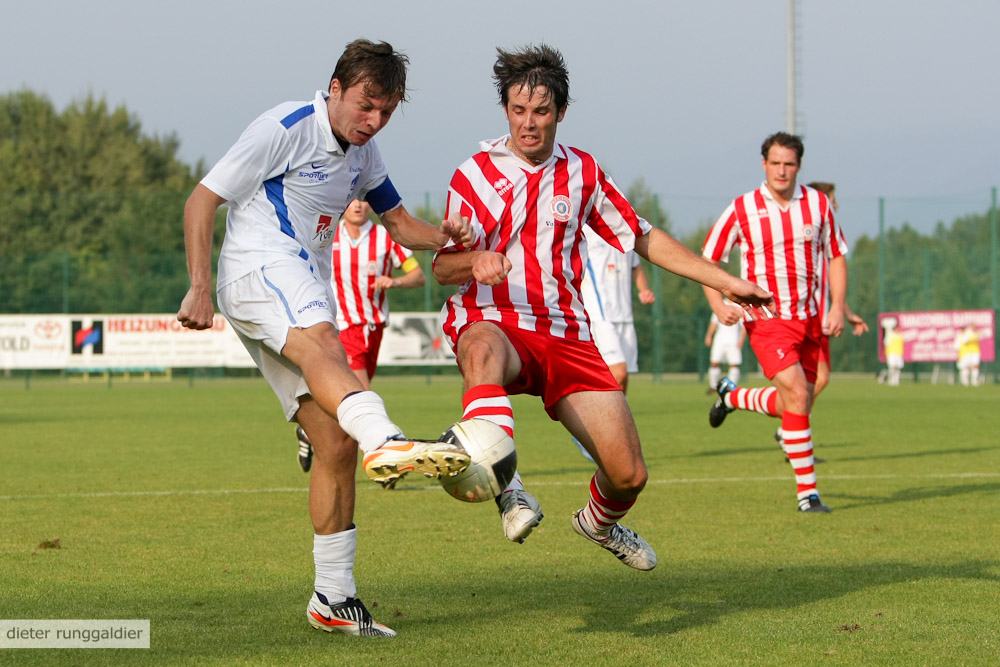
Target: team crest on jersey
{"type": "Point", "coordinates": [372, 268]}
{"type": "Point", "coordinates": [808, 232]}
{"type": "Point", "coordinates": [562, 208]}
{"type": "Point", "coordinates": [502, 186]}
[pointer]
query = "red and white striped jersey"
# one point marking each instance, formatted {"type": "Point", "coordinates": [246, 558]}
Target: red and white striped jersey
{"type": "Point", "coordinates": [535, 216]}
{"type": "Point", "coordinates": [356, 265]}
{"type": "Point", "coordinates": [782, 250]}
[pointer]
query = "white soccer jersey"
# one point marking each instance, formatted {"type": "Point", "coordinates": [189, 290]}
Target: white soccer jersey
{"type": "Point", "coordinates": [607, 284]}
{"type": "Point", "coordinates": [726, 335]}
{"type": "Point", "coordinates": [535, 216]}
{"type": "Point", "coordinates": [782, 249]}
{"type": "Point", "coordinates": [287, 182]}
{"type": "Point", "coordinates": [356, 265]}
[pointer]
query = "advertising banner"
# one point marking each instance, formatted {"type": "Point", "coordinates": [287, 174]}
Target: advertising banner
{"type": "Point", "coordinates": [158, 341]}
{"type": "Point", "coordinates": [930, 336]}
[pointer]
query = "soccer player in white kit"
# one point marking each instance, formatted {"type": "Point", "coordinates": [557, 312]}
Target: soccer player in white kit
{"type": "Point", "coordinates": [518, 323]}
{"type": "Point", "coordinates": [287, 180]}
{"type": "Point", "coordinates": [725, 343]}
{"type": "Point", "coordinates": [364, 257]}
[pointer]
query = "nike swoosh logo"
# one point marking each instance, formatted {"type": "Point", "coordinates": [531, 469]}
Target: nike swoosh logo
{"type": "Point", "coordinates": [316, 166]}
{"type": "Point", "coordinates": [329, 621]}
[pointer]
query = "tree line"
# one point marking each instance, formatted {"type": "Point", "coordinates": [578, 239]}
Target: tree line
{"type": "Point", "coordinates": [91, 213]}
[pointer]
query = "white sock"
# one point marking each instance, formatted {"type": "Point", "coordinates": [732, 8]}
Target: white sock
{"type": "Point", "coordinates": [363, 417]}
{"type": "Point", "coordinates": [714, 373]}
{"type": "Point", "coordinates": [734, 374]}
{"type": "Point", "coordinates": [333, 556]}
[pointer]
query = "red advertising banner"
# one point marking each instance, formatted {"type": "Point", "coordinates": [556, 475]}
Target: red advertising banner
{"type": "Point", "coordinates": [930, 335]}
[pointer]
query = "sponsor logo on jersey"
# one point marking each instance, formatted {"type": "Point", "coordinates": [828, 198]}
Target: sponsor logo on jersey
{"type": "Point", "coordinates": [312, 305]}
{"type": "Point", "coordinates": [808, 232]}
{"type": "Point", "coordinates": [324, 228]}
{"type": "Point", "coordinates": [502, 186]}
{"type": "Point", "coordinates": [315, 176]}
{"type": "Point", "coordinates": [762, 212]}
{"type": "Point", "coordinates": [372, 268]}
{"type": "Point", "coordinates": [562, 208]}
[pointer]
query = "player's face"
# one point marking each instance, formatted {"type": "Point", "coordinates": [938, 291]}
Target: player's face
{"type": "Point", "coordinates": [355, 115]}
{"type": "Point", "coordinates": [781, 166]}
{"type": "Point", "coordinates": [357, 212]}
{"type": "Point", "coordinates": [532, 116]}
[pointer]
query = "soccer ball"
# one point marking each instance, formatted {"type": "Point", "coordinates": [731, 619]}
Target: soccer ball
{"type": "Point", "coordinates": [493, 460]}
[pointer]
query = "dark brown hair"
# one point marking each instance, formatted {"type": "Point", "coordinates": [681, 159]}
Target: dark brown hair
{"type": "Point", "coordinates": [382, 69]}
{"type": "Point", "coordinates": [530, 67]}
{"type": "Point", "coordinates": [791, 141]}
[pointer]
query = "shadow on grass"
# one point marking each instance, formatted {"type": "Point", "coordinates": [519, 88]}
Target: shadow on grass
{"type": "Point", "coordinates": [915, 494]}
{"type": "Point", "coordinates": [694, 600]}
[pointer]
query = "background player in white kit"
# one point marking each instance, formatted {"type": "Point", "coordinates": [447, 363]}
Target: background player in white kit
{"type": "Point", "coordinates": [287, 180]}
{"type": "Point", "coordinates": [607, 296]}
{"type": "Point", "coordinates": [518, 323]}
{"type": "Point", "coordinates": [364, 257]}
{"type": "Point", "coordinates": [725, 343]}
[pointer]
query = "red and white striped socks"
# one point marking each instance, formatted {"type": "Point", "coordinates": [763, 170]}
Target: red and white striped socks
{"type": "Point", "coordinates": [490, 402]}
{"type": "Point", "coordinates": [758, 399]}
{"type": "Point", "coordinates": [797, 442]}
{"type": "Point", "coordinates": [601, 513]}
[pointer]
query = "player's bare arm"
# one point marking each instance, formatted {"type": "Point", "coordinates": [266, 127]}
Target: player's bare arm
{"type": "Point", "coordinates": [838, 293]}
{"type": "Point", "coordinates": [667, 252]}
{"type": "Point", "coordinates": [197, 310]}
{"type": "Point", "coordinates": [415, 234]}
{"type": "Point", "coordinates": [484, 266]}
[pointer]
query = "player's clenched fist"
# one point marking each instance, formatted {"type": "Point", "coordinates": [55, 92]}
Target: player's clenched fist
{"type": "Point", "coordinates": [490, 268]}
{"type": "Point", "coordinates": [459, 229]}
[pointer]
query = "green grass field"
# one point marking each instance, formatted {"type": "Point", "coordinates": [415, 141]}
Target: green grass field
{"type": "Point", "coordinates": [184, 505]}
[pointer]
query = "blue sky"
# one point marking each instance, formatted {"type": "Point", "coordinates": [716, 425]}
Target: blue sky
{"type": "Point", "coordinates": [895, 99]}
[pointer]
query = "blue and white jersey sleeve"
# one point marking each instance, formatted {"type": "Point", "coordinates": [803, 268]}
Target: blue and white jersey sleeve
{"type": "Point", "coordinates": [261, 153]}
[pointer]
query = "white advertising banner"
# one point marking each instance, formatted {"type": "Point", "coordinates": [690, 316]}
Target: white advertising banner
{"type": "Point", "coordinates": [159, 341]}
{"type": "Point", "coordinates": [116, 342]}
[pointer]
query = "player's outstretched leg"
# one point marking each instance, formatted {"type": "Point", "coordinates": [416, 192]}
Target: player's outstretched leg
{"type": "Point", "coordinates": [388, 455]}
{"type": "Point", "coordinates": [350, 616]}
{"type": "Point", "coordinates": [719, 409]}
{"type": "Point", "coordinates": [520, 512]}
{"type": "Point", "coordinates": [305, 449]}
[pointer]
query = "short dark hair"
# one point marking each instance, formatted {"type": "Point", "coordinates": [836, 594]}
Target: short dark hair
{"type": "Point", "coordinates": [825, 188]}
{"type": "Point", "coordinates": [792, 141]}
{"type": "Point", "coordinates": [382, 69]}
{"type": "Point", "coordinates": [530, 67]}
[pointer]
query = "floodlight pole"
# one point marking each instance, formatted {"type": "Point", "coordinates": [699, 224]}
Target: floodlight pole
{"type": "Point", "coordinates": [791, 67]}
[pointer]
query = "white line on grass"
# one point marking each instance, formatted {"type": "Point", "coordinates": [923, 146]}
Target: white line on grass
{"type": "Point", "coordinates": [533, 483]}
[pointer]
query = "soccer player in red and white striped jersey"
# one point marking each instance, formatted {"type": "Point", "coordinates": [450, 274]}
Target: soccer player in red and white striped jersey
{"type": "Point", "coordinates": [518, 322]}
{"type": "Point", "coordinates": [364, 257]}
{"type": "Point", "coordinates": [785, 233]}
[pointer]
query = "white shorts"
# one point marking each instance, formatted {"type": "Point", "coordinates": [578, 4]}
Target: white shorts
{"type": "Point", "coordinates": [262, 306]}
{"type": "Point", "coordinates": [616, 341]}
{"type": "Point", "coordinates": [729, 354]}
{"type": "Point", "coordinates": [969, 361]}
{"type": "Point", "coordinates": [894, 360]}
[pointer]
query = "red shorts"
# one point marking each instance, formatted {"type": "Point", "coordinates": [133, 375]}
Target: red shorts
{"type": "Point", "coordinates": [824, 349]}
{"type": "Point", "coordinates": [362, 343]}
{"type": "Point", "coordinates": [779, 344]}
{"type": "Point", "coordinates": [553, 368]}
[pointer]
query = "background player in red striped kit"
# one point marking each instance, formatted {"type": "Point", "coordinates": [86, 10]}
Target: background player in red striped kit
{"type": "Point", "coordinates": [364, 257]}
{"type": "Point", "coordinates": [784, 232]}
{"type": "Point", "coordinates": [518, 322]}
